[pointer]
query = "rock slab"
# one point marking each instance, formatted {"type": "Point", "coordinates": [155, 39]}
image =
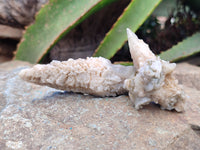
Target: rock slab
{"type": "Point", "coordinates": [38, 117]}
{"type": "Point", "coordinates": [188, 75]}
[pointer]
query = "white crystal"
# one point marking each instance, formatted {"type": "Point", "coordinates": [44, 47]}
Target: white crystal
{"type": "Point", "coordinates": [153, 81]}
{"type": "Point", "coordinates": [94, 75]}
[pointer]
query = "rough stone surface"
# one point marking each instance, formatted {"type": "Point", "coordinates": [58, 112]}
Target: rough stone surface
{"type": "Point", "coordinates": [38, 117]}
{"type": "Point", "coordinates": [188, 75]}
{"type": "Point", "coordinates": [10, 32]}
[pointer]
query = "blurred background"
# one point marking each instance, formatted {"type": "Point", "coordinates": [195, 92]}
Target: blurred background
{"type": "Point", "coordinates": [170, 23]}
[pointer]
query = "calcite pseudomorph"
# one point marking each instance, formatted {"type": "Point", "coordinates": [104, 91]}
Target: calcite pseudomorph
{"type": "Point", "coordinates": [150, 80]}
{"type": "Point", "coordinates": [94, 75]}
{"type": "Point", "coordinates": [153, 81]}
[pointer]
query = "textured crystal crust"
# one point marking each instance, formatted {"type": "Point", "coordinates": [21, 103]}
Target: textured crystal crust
{"type": "Point", "coordinates": [150, 80]}
{"type": "Point", "coordinates": [153, 81]}
{"type": "Point", "coordinates": [95, 76]}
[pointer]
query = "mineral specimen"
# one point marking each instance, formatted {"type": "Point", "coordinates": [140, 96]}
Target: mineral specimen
{"type": "Point", "coordinates": [150, 80]}
{"type": "Point", "coordinates": [153, 80]}
{"type": "Point", "coordinates": [95, 76]}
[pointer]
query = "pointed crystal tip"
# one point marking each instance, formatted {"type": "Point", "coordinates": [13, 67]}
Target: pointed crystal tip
{"type": "Point", "coordinates": [140, 51]}
{"type": "Point", "coordinates": [130, 34]}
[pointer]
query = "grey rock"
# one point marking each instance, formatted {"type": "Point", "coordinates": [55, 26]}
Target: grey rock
{"type": "Point", "coordinates": [10, 32]}
{"type": "Point", "coordinates": [19, 13]}
{"type": "Point", "coordinates": [188, 75]}
{"type": "Point", "coordinates": [39, 117]}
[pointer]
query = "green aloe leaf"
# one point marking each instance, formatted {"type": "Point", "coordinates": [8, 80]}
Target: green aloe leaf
{"type": "Point", "coordinates": [187, 47]}
{"type": "Point", "coordinates": [53, 21]}
{"type": "Point", "coordinates": [125, 63]}
{"type": "Point", "coordinates": [133, 17]}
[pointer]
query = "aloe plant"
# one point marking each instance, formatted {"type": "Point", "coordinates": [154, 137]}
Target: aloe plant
{"type": "Point", "coordinates": [52, 22]}
{"type": "Point", "coordinates": [133, 17]}
{"type": "Point", "coordinates": [58, 17]}
{"type": "Point", "coordinates": [187, 47]}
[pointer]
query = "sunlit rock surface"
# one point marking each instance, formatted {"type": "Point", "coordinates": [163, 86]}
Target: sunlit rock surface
{"type": "Point", "coordinates": [188, 75]}
{"type": "Point", "coordinates": [39, 117]}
